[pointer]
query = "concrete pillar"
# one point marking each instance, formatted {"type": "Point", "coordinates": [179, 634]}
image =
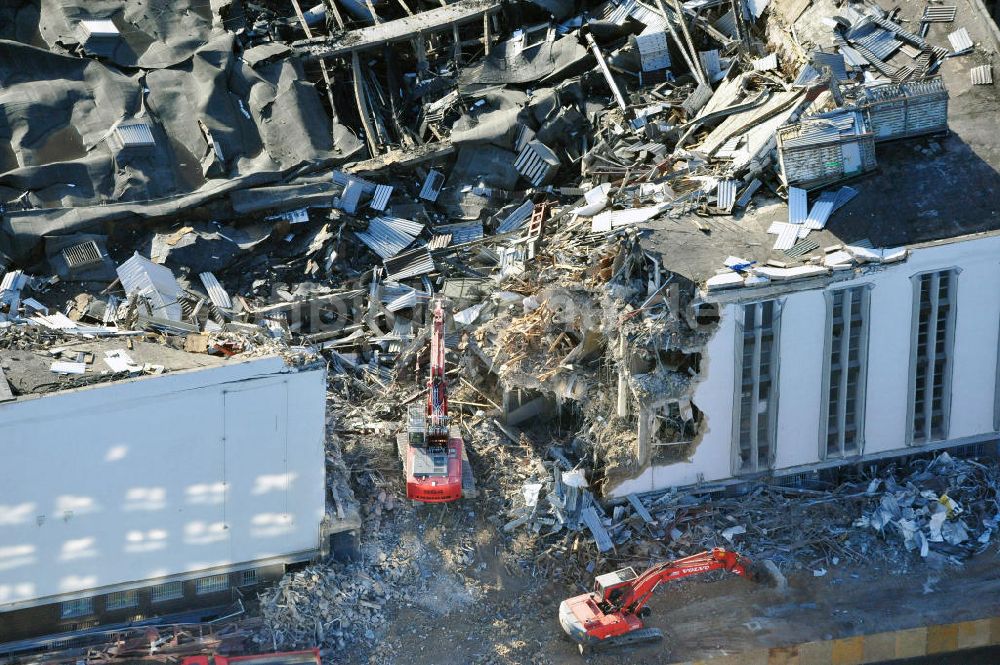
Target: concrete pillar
{"type": "Point", "coordinates": [644, 436]}
{"type": "Point", "coordinates": [622, 379]}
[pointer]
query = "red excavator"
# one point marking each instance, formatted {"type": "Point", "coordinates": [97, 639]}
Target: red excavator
{"type": "Point", "coordinates": [432, 451]}
{"type": "Point", "coordinates": [611, 615]}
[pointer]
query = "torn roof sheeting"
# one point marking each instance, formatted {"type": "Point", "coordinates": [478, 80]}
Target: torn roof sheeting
{"type": "Point", "coordinates": [155, 283]}
{"type": "Point", "coordinates": [66, 163]}
{"type": "Point", "coordinates": [152, 35]}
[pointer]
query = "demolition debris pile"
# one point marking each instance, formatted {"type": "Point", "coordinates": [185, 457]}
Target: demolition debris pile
{"type": "Point", "coordinates": [943, 509]}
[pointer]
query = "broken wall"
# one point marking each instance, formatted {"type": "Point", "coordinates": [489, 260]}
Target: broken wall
{"type": "Point", "coordinates": [801, 358]}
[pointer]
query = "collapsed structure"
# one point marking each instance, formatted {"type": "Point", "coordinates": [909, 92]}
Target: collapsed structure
{"type": "Point", "coordinates": [703, 238]}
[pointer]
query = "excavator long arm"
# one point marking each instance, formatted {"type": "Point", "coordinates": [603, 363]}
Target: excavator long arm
{"type": "Point", "coordinates": [644, 585]}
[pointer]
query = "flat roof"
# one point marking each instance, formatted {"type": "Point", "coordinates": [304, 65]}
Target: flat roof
{"type": "Point", "coordinates": [924, 188]}
{"type": "Point", "coordinates": [29, 371]}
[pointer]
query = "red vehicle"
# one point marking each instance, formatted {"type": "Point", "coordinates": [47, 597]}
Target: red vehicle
{"type": "Point", "coordinates": [432, 451]}
{"type": "Point", "coordinates": [611, 614]}
{"type": "Point", "coordinates": [307, 657]}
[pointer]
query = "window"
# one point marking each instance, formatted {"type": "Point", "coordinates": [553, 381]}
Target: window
{"type": "Point", "coordinates": [77, 608]}
{"type": "Point", "coordinates": [212, 584]}
{"type": "Point", "coordinates": [120, 600]}
{"type": "Point", "coordinates": [756, 403]}
{"type": "Point", "coordinates": [932, 340]}
{"type": "Point", "coordinates": [845, 372]}
{"type": "Point", "coordinates": [248, 577]}
{"type": "Point", "coordinates": [167, 591]}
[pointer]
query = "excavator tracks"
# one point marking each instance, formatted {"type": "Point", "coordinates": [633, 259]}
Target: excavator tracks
{"type": "Point", "coordinates": [641, 636]}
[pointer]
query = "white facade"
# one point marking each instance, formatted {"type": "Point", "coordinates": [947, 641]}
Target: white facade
{"type": "Point", "coordinates": [801, 353]}
{"type": "Point", "coordinates": [163, 477]}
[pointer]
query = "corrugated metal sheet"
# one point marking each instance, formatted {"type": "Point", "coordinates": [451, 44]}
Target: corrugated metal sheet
{"type": "Point", "coordinates": [801, 248]}
{"type": "Point", "coordinates": [516, 219]}
{"type": "Point", "coordinates": [748, 193]}
{"type": "Point", "coordinates": [960, 41]}
{"type": "Point", "coordinates": [403, 301]}
{"type": "Point", "coordinates": [432, 186]}
{"type": "Point", "coordinates": [697, 99]}
{"type": "Point", "coordinates": [798, 205]}
{"type": "Point", "coordinates": [388, 236]}
{"type": "Point", "coordinates": [880, 42]}
{"type": "Point", "coordinates": [786, 237]}
{"type": "Point", "coordinates": [806, 76]}
{"type": "Point", "coordinates": [844, 196]}
{"type": "Point", "coordinates": [898, 30]}
{"type": "Point", "coordinates": [654, 52]}
{"type": "Point", "coordinates": [982, 75]}
{"type": "Point", "coordinates": [135, 135]}
{"type": "Point", "coordinates": [710, 62]}
{"type": "Point", "coordinates": [381, 197]}
{"type": "Point", "coordinates": [155, 283]}
{"type": "Point", "coordinates": [726, 194]}
{"type": "Point", "coordinates": [821, 211]}
{"type": "Point", "coordinates": [218, 295]}
{"type": "Point", "coordinates": [834, 61]}
{"type": "Point", "coordinates": [726, 24]}
{"type": "Point", "coordinates": [810, 133]}
{"type": "Point", "coordinates": [767, 63]}
{"type": "Point", "coordinates": [462, 232]}
{"type": "Point", "coordinates": [410, 264]}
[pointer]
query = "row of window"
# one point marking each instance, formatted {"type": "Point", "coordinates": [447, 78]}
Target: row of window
{"type": "Point", "coordinates": [845, 371]}
{"type": "Point", "coordinates": [122, 600]}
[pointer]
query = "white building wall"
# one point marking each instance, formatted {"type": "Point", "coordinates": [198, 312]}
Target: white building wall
{"type": "Point", "coordinates": [116, 484]}
{"type": "Point", "coordinates": [802, 333]}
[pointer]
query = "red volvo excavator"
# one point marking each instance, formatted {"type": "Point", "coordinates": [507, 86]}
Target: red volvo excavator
{"type": "Point", "coordinates": [611, 615]}
{"type": "Point", "coordinates": [432, 451]}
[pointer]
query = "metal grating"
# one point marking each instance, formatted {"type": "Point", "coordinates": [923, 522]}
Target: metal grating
{"type": "Point", "coordinates": [82, 255]}
{"type": "Point", "coordinates": [135, 135]}
{"type": "Point", "coordinates": [960, 40]}
{"type": "Point", "coordinates": [939, 13]}
{"type": "Point", "coordinates": [537, 163]}
{"type": "Point", "coordinates": [982, 75]}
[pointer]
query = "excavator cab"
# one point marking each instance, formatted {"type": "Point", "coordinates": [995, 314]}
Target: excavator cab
{"type": "Point", "coordinates": [610, 587]}
{"type": "Point", "coordinates": [416, 426]}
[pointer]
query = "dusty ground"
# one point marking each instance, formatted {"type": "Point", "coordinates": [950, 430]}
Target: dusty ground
{"type": "Point", "coordinates": [480, 609]}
